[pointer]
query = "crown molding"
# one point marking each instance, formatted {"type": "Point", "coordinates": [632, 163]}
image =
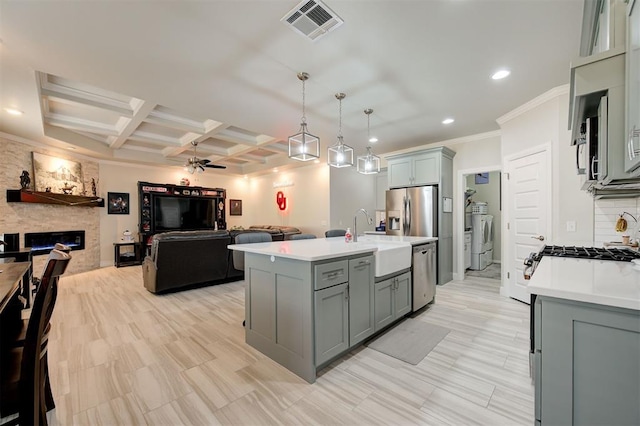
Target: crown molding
{"type": "Point", "coordinates": [447, 143]}
{"type": "Point", "coordinates": [534, 103]}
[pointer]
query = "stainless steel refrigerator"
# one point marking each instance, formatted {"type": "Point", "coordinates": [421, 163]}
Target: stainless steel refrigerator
{"type": "Point", "coordinates": [412, 211]}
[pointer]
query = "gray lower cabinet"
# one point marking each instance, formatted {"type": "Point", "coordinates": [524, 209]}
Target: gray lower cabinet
{"type": "Point", "coordinates": [332, 322]}
{"type": "Point", "coordinates": [587, 364]}
{"type": "Point", "coordinates": [361, 307]}
{"type": "Point", "coordinates": [344, 312]}
{"type": "Point", "coordinates": [392, 299]}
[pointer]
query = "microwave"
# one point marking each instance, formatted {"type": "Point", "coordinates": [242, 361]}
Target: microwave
{"type": "Point", "coordinates": [591, 146]}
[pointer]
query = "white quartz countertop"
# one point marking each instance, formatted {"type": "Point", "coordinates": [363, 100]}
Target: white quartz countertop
{"type": "Point", "coordinates": [308, 250]}
{"type": "Point", "coordinates": [326, 248]}
{"type": "Point", "coordinates": [602, 282]}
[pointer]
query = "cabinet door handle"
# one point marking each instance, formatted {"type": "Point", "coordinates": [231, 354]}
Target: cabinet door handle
{"type": "Point", "coordinates": [594, 173]}
{"type": "Point", "coordinates": [346, 293]}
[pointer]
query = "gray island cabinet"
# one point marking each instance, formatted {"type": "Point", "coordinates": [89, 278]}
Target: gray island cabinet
{"type": "Point", "coordinates": [305, 310]}
{"type": "Point", "coordinates": [586, 342]}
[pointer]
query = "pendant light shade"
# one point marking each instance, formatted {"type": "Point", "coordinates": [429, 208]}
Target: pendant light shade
{"type": "Point", "coordinates": [369, 163]}
{"type": "Point", "coordinates": [303, 145]}
{"type": "Point", "coordinates": [339, 154]}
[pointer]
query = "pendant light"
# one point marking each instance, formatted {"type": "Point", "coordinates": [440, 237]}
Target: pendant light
{"type": "Point", "coordinates": [369, 163]}
{"type": "Point", "coordinates": [339, 154]}
{"type": "Point", "coordinates": [303, 145]}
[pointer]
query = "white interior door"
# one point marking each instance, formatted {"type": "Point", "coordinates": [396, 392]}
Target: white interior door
{"type": "Point", "coordinates": [529, 223]}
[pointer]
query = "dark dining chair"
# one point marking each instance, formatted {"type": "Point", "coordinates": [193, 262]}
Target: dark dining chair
{"type": "Point", "coordinates": [31, 386]}
{"type": "Point", "coordinates": [335, 233]}
{"type": "Point", "coordinates": [302, 237]}
{"type": "Point", "coordinates": [246, 238]}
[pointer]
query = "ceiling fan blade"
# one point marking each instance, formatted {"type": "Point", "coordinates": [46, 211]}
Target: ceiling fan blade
{"type": "Point", "coordinates": [215, 166]}
{"type": "Point", "coordinates": [204, 161]}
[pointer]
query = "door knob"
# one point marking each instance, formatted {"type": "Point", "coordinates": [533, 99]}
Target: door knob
{"type": "Point", "coordinates": [539, 237]}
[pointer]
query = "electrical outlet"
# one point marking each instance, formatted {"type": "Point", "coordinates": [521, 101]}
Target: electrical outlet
{"type": "Point", "coordinates": [571, 226]}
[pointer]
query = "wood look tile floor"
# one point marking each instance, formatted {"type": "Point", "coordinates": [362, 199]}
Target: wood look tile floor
{"type": "Point", "coordinates": [120, 355]}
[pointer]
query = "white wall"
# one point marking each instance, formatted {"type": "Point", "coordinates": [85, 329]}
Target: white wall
{"type": "Point", "coordinates": [545, 121]}
{"type": "Point", "coordinates": [307, 198]}
{"type": "Point", "coordinates": [349, 192]}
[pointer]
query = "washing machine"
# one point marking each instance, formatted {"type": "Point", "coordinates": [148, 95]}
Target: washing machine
{"type": "Point", "coordinates": [481, 248]}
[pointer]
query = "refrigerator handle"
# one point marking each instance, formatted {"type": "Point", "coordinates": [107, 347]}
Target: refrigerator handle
{"type": "Point", "coordinates": [408, 228]}
{"type": "Point", "coordinates": [404, 214]}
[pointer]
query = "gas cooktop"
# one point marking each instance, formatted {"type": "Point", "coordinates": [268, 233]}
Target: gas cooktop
{"type": "Point", "coordinates": [597, 253]}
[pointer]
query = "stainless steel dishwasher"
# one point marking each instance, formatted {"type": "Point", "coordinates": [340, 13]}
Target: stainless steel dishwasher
{"type": "Point", "coordinates": [424, 275]}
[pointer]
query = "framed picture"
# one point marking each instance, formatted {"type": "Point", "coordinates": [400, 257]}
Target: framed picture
{"type": "Point", "coordinates": [118, 203]}
{"type": "Point", "coordinates": [57, 175]}
{"type": "Point", "coordinates": [235, 207]}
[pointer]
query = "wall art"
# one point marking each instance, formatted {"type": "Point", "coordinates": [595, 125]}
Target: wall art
{"type": "Point", "coordinates": [58, 175]}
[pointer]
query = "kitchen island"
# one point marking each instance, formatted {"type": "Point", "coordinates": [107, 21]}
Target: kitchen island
{"type": "Point", "coordinates": [307, 302]}
{"type": "Point", "coordinates": [586, 341]}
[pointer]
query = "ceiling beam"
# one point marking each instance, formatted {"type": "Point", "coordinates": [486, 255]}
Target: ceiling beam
{"type": "Point", "coordinates": [140, 113]}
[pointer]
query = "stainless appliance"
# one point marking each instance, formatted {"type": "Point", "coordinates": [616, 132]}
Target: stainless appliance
{"type": "Point", "coordinates": [412, 211]}
{"type": "Point", "coordinates": [424, 274]}
{"type": "Point", "coordinates": [596, 253]}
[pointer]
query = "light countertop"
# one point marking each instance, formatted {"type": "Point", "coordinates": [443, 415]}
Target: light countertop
{"type": "Point", "coordinates": [601, 282]}
{"type": "Point", "coordinates": [326, 248]}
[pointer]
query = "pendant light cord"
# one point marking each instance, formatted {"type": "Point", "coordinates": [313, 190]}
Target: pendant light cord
{"type": "Point", "coordinates": [304, 118]}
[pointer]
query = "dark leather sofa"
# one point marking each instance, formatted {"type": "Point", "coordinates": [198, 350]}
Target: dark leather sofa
{"type": "Point", "coordinates": [180, 259]}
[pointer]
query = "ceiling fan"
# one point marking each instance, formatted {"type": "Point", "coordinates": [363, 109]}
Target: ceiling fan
{"type": "Point", "coordinates": [197, 165]}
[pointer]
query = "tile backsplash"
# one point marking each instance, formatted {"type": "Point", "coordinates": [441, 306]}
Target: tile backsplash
{"type": "Point", "coordinates": [606, 213]}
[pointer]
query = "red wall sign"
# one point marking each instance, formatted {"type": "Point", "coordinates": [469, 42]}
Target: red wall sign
{"type": "Point", "coordinates": [281, 200]}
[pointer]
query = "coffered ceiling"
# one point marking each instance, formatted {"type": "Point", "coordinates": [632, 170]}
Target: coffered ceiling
{"type": "Point", "coordinates": [140, 81]}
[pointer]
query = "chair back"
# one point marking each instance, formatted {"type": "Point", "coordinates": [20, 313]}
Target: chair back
{"type": "Point", "coordinates": [33, 369]}
{"type": "Point", "coordinates": [302, 237]}
{"type": "Point", "coordinates": [247, 238]}
{"type": "Point", "coordinates": [335, 233]}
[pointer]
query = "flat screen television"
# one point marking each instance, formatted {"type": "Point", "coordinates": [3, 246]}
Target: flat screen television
{"type": "Point", "coordinates": [183, 213]}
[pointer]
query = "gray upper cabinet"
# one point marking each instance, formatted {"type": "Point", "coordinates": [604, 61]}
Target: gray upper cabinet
{"type": "Point", "coordinates": [632, 154]}
{"type": "Point", "coordinates": [414, 169]}
{"type": "Point", "coordinates": [361, 306]}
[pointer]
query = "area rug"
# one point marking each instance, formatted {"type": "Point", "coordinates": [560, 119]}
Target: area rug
{"type": "Point", "coordinates": [410, 341]}
{"type": "Point", "coordinates": [492, 272]}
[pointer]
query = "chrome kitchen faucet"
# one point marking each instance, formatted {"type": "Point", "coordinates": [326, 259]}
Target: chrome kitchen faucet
{"type": "Point", "coordinates": [355, 223]}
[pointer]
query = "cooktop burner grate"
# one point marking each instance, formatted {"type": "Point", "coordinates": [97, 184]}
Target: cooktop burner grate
{"type": "Point", "coordinates": [617, 254]}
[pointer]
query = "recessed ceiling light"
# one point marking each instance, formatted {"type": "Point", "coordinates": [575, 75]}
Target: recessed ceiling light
{"type": "Point", "coordinates": [72, 148]}
{"type": "Point", "coordinates": [500, 74]}
{"type": "Point", "coordinates": [373, 139]}
{"type": "Point", "coordinates": [275, 170]}
{"type": "Point", "coordinates": [448, 121]}
{"type": "Point", "coordinates": [14, 111]}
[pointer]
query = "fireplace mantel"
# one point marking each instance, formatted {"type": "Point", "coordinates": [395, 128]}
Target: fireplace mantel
{"type": "Point", "coordinates": [26, 196]}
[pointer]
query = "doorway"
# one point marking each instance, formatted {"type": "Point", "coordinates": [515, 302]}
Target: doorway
{"type": "Point", "coordinates": [480, 235]}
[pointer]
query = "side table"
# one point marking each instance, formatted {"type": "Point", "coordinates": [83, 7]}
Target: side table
{"type": "Point", "coordinates": [131, 255]}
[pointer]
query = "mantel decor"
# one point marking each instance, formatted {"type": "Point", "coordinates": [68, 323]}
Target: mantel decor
{"type": "Point", "coordinates": [26, 196]}
{"type": "Point", "coordinates": [57, 175]}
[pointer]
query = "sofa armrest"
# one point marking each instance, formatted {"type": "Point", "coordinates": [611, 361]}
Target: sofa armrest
{"type": "Point", "coordinates": [149, 272]}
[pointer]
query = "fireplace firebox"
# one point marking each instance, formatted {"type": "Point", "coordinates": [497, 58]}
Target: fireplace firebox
{"type": "Point", "coordinates": [43, 242]}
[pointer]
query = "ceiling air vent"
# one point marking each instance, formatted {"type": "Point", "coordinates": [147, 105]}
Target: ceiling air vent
{"type": "Point", "coordinates": [312, 19]}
